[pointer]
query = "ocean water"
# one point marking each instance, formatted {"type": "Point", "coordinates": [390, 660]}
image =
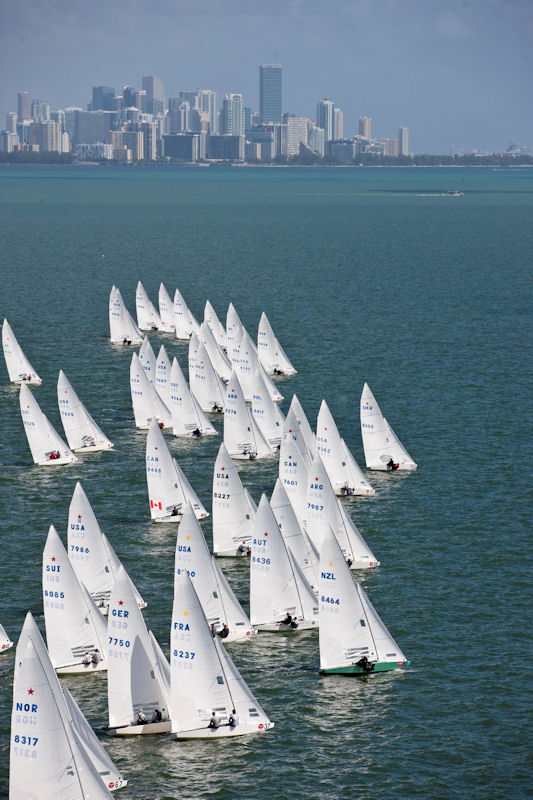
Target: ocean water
{"type": "Point", "coordinates": [366, 275]}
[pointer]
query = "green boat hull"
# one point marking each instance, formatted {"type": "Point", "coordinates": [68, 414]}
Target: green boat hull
{"type": "Point", "coordinates": [353, 669]}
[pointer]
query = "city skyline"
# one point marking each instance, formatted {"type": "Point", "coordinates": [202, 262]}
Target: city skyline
{"type": "Point", "coordinates": [458, 75]}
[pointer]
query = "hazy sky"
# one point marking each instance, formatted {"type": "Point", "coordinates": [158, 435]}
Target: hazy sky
{"type": "Point", "coordinates": [458, 73]}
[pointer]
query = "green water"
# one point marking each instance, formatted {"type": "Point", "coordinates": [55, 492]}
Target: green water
{"type": "Point", "coordinates": [369, 274]}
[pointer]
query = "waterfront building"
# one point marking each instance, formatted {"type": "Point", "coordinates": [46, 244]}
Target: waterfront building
{"type": "Point", "coordinates": [338, 124]}
{"type": "Point", "coordinates": [11, 122]}
{"type": "Point", "coordinates": [232, 117]}
{"type": "Point", "coordinates": [151, 134]}
{"type": "Point", "coordinates": [183, 146]}
{"type": "Point", "coordinates": [8, 141]}
{"type": "Point", "coordinates": [24, 106]}
{"type": "Point", "coordinates": [324, 117]}
{"type": "Point", "coordinates": [226, 147]}
{"type": "Point", "coordinates": [294, 131]}
{"type": "Point", "coordinates": [403, 141]}
{"type": "Point", "coordinates": [104, 99]}
{"type": "Point", "coordinates": [155, 95]}
{"type": "Point", "coordinates": [270, 93]}
{"type": "Point", "coordinates": [365, 127]}
{"type": "Point", "coordinates": [92, 126]}
{"type": "Point", "coordinates": [315, 139]}
{"type": "Point", "coordinates": [49, 136]}
{"type": "Point", "coordinates": [40, 111]}
{"type": "Point", "coordinates": [206, 102]}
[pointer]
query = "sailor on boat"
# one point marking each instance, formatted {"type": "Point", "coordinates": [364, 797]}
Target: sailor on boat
{"type": "Point", "coordinates": [141, 717]}
{"type": "Point", "coordinates": [214, 722]}
{"type": "Point", "coordinates": [233, 720]}
{"type": "Point", "coordinates": [365, 664]}
{"type": "Point", "coordinates": [224, 632]}
{"type": "Point", "coordinates": [157, 716]}
{"type": "Point", "coordinates": [391, 465]}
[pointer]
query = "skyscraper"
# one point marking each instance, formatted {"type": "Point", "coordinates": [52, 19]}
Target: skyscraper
{"type": "Point", "coordinates": [155, 94]}
{"type": "Point", "coordinates": [365, 127]}
{"type": "Point", "coordinates": [104, 98]}
{"type": "Point", "coordinates": [232, 117]}
{"type": "Point", "coordinates": [338, 124]}
{"type": "Point", "coordinates": [24, 106]}
{"type": "Point", "coordinates": [207, 102]}
{"type": "Point", "coordinates": [270, 93]}
{"type": "Point", "coordinates": [325, 117]}
{"type": "Point", "coordinates": [403, 137]}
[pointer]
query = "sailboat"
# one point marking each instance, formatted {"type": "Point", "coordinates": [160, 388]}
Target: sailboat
{"type": "Point", "coordinates": [46, 445]}
{"type": "Point", "coordinates": [168, 488]}
{"type": "Point", "coordinates": [242, 437]}
{"type": "Point", "coordinates": [204, 679]}
{"type": "Point", "coordinates": [294, 536]}
{"type": "Point", "coordinates": [383, 449]}
{"type": "Point", "coordinates": [304, 426]}
{"type": "Point", "coordinates": [233, 509]}
{"type": "Point", "coordinates": [147, 404]}
{"type": "Point", "coordinates": [188, 419]}
{"type": "Point", "coordinates": [162, 376]}
{"type": "Point", "coordinates": [75, 628]}
{"type": "Point", "coordinates": [18, 367]}
{"type": "Point", "coordinates": [234, 328]}
{"type": "Point", "coordinates": [166, 310]}
{"type": "Point", "coordinates": [184, 321]}
{"type": "Point", "coordinates": [245, 364]}
{"type": "Point", "coordinates": [278, 586]}
{"type": "Point", "coordinates": [220, 606]}
{"type": "Point", "coordinates": [266, 413]}
{"type": "Point", "coordinates": [217, 329]}
{"type": "Point", "coordinates": [62, 759]}
{"type": "Point", "coordinates": [294, 466]}
{"type": "Point", "coordinates": [147, 317]}
{"type": "Point", "coordinates": [324, 510]}
{"type": "Point", "coordinates": [218, 358]}
{"type": "Point", "coordinates": [5, 641]}
{"type": "Point", "coordinates": [148, 360]}
{"type": "Point", "coordinates": [135, 679]}
{"type": "Point", "coordinates": [353, 639]}
{"type": "Point", "coordinates": [271, 353]}
{"type": "Point", "coordinates": [92, 557]}
{"type": "Point", "coordinates": [343, 471]}
{"type": "Point", "coordinates": [205, 384]}
{"type": "Point", "coordinates": [82, 432]}
{"type": "Point", "coordinates": [123, 329]}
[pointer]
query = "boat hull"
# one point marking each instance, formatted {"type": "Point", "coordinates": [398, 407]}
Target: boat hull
{"type": "Point", "coordinates": [407, 467]}
{"type": "Point", "coordinates": [5, 646]}
{"type": "Point", "coordinates": [279, 627]}
{"type": "Point", "coordinates": [143, 730]}
{"type": "Point", "coordinates": [353, 669]}
{"type": "Point", "coordinates": [231, 554]}
{"type": "Point", "coordinates": [81, 669]}
{"type": "Point", "coordinates": [365, 564]}
{"type": "Point", "coordinates": [57, 462]}
{"type": "Point", "coordinates": [93, 448]}
{"type": "Point", "coordinates": [223, 731]}
{"type": "Point", "coordinates": [28, 383]}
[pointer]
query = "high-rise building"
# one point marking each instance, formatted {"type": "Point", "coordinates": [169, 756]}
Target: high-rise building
{"type": "Point", "coordinates": [365, 127]}
{"type": "Point", "coordinates": [338, 124]}
{"type": "Point", "coordinates": [11, 122]}
{"type": "Point", "coordinates": [206, 102]}
{"type": "Point", "coordinates": [49, 136]}
{"type": "Point", "coordinates": [24, 106]}
{"type": "Point", "coordinates": [403, 137]}
{"type": "Point", "coordinates": [270, 93]}
{"type": "Point", "coordinates": [155, 94]}
{"type": "Point", "coordinates": [104, 99]}
{"type": "Point", "coordinates": [294, 132]}
{"type": "Point", "coordinates": [232, 116]}
{"type": "Point", "coordinates": [324, 117]}
{"type": "Point", "coordinates": [315, 140]}
{"type": "Point", "coordinates": [40, 111]}
{"type": "Point", "coordinates": [131, 97]}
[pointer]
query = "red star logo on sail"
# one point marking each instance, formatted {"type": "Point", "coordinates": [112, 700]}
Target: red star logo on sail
{"type": "Point", "coordinates": [121, 602]}
{"type": "Point", "coordinates": [79, 517]}
{"type": "Point", "coordinates": [53, 558]}
{"type": "Point", "coordinates": [222, 468]}
{"type": "Point", "coordinates": [30, 691]}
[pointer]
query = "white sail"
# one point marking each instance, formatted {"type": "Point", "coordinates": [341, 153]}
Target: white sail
{"type": "Point", "coordinates": [294, 535]}
{"type": "Point", "coordinates": [245, 364]}
{"type": "Point", "coordinates": [162, 376]}
{"type": "Point", "coordinates": [147, 404]}
{"type": "Point", "coordinates": [266, 413]}
{"type": "Point", "coordinates": [166, 310]}
{"type": "Point", "coordinates": [233, 509]}
{"type": "Point", "coordinates": [47, 759]}
{"type": "Point", "coordinates": [76, 727]}
{"type": "Point", "coordinates": [271, 354]}
{"type": "Point", "coordinates": [303, 423]}
{"type": "Point", "coordinates": [343, 471]}
{"type": "Point", "coordinates": [81, 430]}
{"type": "Point", "coordinates": [168, 488]}
{"type": "Point", "coordinates": [74, 625]}
{"type": "Point", "coordinates": [18, 367]}
{"type": "Point", "coordinates": [383, 449]}
{"type": "Point", "coordinates": [135, 680]}
{"type": "Point", "coordinates": [217, 356]}
{"type": "Point", "coordinates": [5, 641]}
{"type": "Point", "coordinates": [147, 317]}
{"type": "Point", "coordinates": [218, 601]}
{"type": "Point", "coordinates": [277, 584]}
{"type": "Point", "coordinates": [207, 387]}
{"type": "Point", "coordinates": [184, 321]}
{"type": "Point", "coordinates": [325, 511]}
{"type": "Point", "coordinates": [46, 445]}
{"type": "Point", "coordinates": [188, 419]}
{"type": "Point", "coordinates": [242, 437]}
{"type": "Point", "coordinates": [203, 676]}
{"type": "Point", "coordinates": [234, 328]}
{"type": "Point", "coordinates": [92, 557]}
{"type": "Point", "coordinates": [350, 628]}
{"type": "Point", "coordinates": [148, 360]}
{"type": "Point", "coordinates": [293, 469]}
{"type": "Point", "coordinates": [123, 329]}
{"type": "Point", "coordinates": [217, 329]}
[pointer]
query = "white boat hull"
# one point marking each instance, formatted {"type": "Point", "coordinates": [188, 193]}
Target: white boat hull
{"type": "Point", "coordinates": [81, 669]}
{"type": "Point", "coordinates": [143, 730]}
{"type": "Point", "coordinates": [232, 554]}
{"type": "Point", "coordinates": [94, 448]}
{"type": "Point", "coordinates": [5, 646]}
{"type": "Point", "coordinates": [280, 627]}
{"type": "Point", "coordinates": [223, 730]}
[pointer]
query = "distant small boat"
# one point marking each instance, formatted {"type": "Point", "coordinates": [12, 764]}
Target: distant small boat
{"type": "Point", "coordinates": [184, 321]}
{"type": "Point", "coordinates": [344, 473]}
{"type": "Point", "coordinates": [123, 328]}
{"type": "Point", "coordinates": [353, 639]}
{"type": "Point", "coordinates": [19, 368]}
{"type": "Point", "coordinates": [46, 445]}
{"type": "Point", "coordinates": [217, 329]}
{"type": "Point", "coordinates": [454, 193]}
{"type": "Point", "coordinates": [82, 432]}
{"type": "Point", "coordinates": [383, 449]}
{"type": "Point", "coordinates": [271, 353]}
{"type": "Point", "coordinates": [147, 317]}
{"type": "Point", "coordinates": [234, 328]}
{"type": "Point", "coordinates": [166, 310]}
